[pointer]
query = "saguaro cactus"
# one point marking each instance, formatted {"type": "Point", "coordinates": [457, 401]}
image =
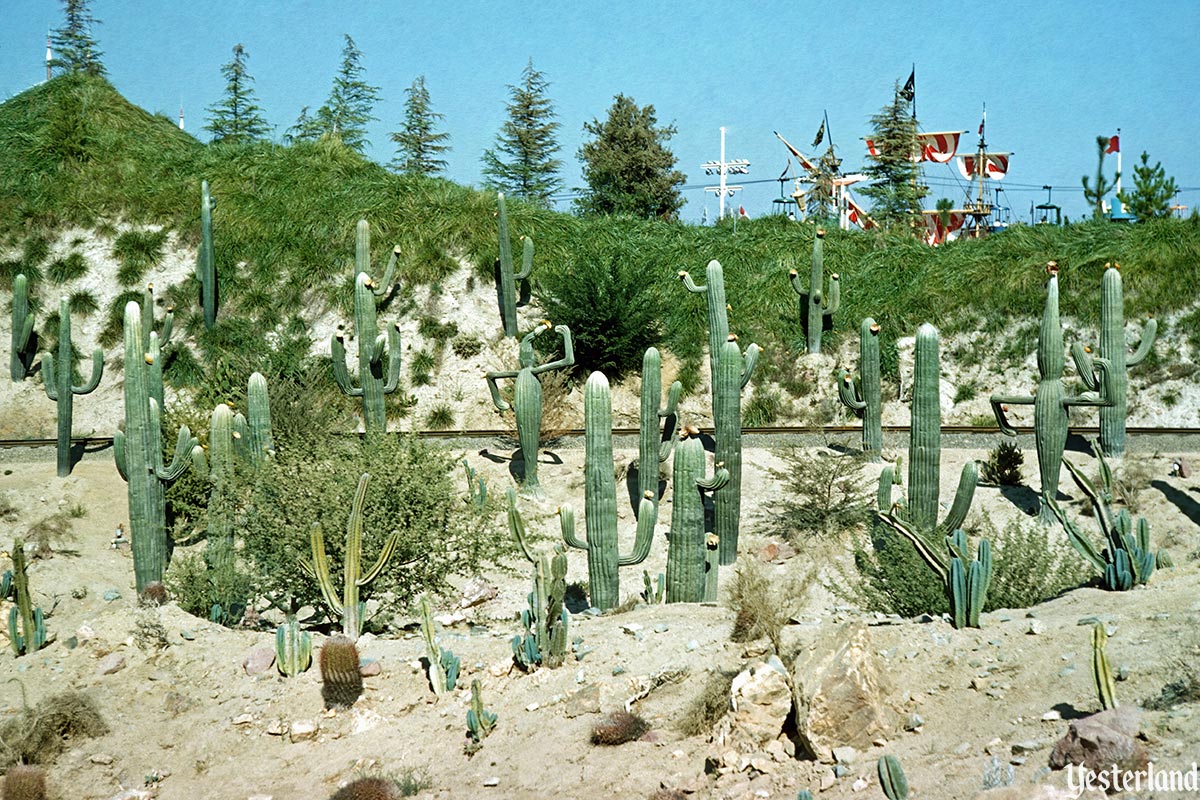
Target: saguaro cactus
{"type": "Point", "coordinates": [508, 276]}
{"type": "Point", "coordinates": [545, 640]}
{"type": "Point", "coordinates": [139, 456]}
{"type": "Point", "coordinates": [527, 397]}
{"type": "Point", "coordinates": [655, 446]}
{"type": "Point", "coordinates": [206, 262]}
{"type": "Point", "coordinates": [1113, 350]}
{"type": "Point", "coordinates": [354, 578]}
{"type": "Point", "coordinates": [733, 373]}
{"type": "Point", "coordinates": [1051, 403]}
{"type": "Point", "coordinates": [816, 304]}
{"type": "Point", "coordinates": [362, 259]}
{"type": "Point", "coordinates": [59, 386]}
{"type": "Point", "coordinates": [26, 627]}
{"type": "Point", "coordinates": [692, 559]}
{"type": "Point", "coordinates": [23, 337]}
{"type": "Point", "coordinates": [718, 308]}
{"type": "Point", "coordinates": [862, 394]}
{"type": "Point", "coordinates": [375, 380]}
{"type": "Point", "coordinates": [600, 499]}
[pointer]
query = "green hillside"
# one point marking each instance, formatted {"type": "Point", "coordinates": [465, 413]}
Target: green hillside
{"type": "Point", "coordinates": [78, 153]}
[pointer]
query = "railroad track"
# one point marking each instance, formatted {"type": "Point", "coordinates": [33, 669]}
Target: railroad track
{"type": "Point", "coordinates": [1190, 436]}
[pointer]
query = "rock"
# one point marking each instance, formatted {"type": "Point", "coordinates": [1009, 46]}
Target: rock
{"type": "Point", "coordinates": [111, 594]}
{"type": "Point", "coordinates": [913, 722]}
{"type": "Point", "coordinates": [450, 620]}
{"type": "Point", "coordinates": [1027, 746]}
{"type": "Point", "coordinates": [243, 719]}
{"type": "Point", "coordinates": [1102, 740]}
{"type": "Point", "coordinates": [631, 628]}
{"type": "Point", "coordinates": [84, 633]}
{"type": "Point", "coordinates": [113, 662]}
{"type": "Point", "coordinates": [1180, 468]}
{"type": "Point", "coordinates": [101, 758]}
{"type": "Point", "coordinates": [761, 702]}
{"type": "Point", "coordinates": [259, 660]}
{"type": "Point", "coordinates": [844, 755]}
{"type": "Point", "coordinates": [491, 781]}
{"type": "Point", "coordinates": [841, 694]}
{"type": "Point", "coordinates": [302, 731]}
{"type": "Point", "coordinates": [584, 701]}
{"type": "Point", "coordinates": [369, 667]}
{"type": "Point", "coordinates": [476, 591]}
{"type": "Point", "coordinates": [277, 727]}
{"type": "Point", "coordinates": [1036, 627]}
{"type": "Point", "coordinates": [769, 552]}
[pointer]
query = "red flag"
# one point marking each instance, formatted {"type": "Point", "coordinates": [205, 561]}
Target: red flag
{"type": "Point", "coordinates": [742, 212]}
{"type": "Point", "coordinates": [981, 126]}
{"type": "Point", "coordinates": [1114, 145]}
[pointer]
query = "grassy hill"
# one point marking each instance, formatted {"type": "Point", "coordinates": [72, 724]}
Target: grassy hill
{"type": "Point", "coordinates": [77, 153]}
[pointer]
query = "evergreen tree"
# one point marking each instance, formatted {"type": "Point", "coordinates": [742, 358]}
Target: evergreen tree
{"type": "Point", "coordinates": [627, 165]}
{"type": "Point", "coordinates": [238, 118]}
{"type": "Point", "coordinates": [347, 111]}
{"type": "Point", "coordinates": [418, 145]}
{"type": "Point", "coordinates": [896, 189]}
{"type": "Point", "coordinates": [819, 202]}
{"type": "Point", "coordinates": [1152, 191]}
{"type": "Point", "coordinates": [74, 49]}
{"type": "Point", "coordinates": [522, 163]}
{"type": "Point", "coordinates": [1095, 195]}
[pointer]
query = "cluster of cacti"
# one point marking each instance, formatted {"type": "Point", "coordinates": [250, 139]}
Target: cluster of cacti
{"type": "Point", "coordinates": [862, 393]}
{"type": "Point", "coordinates": [544, 642]}
{"type": "Point", "coordinates": [600, 503]}
{"type": "Point", "coordinates": [206, 260]}
{"type": "Point", "coordinates": [376, 379]}
{"type": "Point", "coordinates": [476, 487]}
{"type": "Point", "coordinates": [480, 721]}
{"type": "Point", "coordinates": [1050, 401]}
{"type": "Point", "coordinates": [654, 443]}
{"type": "Point", "coordinates": [966, 580]}
{"type": "Point", "coordinates": [815, 304]}
{"type": "Point", "coordinates": [1113, 351]}
{"type": "Point", "coordinates": [348, 606]}
{"type": "Point", "coordinates": [508, 276]}
{"type": "Point", "coordinates": [654, 592]}
{"type": "Point", "coordinates": [56, 378]}
{"type": "Point", "coordinates": [1127, 558]}
{"type": "Point", "coordinates": [236, 438]}
{"type": "Point", "coordinates": [733, 373]}
{"type": "Point", "coordinates": [341, 676]}
{"type": "Point", "coordinates": [891, 778]}
{"type": "Point", "coordinates": [527, 397]}
{"type": "Point", "coordinates": [443, 665]}
{"type": "Point", "coordinates": [293, 648]}
{"type": "Point", "coordinates": [24, 339]}
{"type": "Point", "coordinates": [26, 626]}
{"type": "Point", "coordinates": [1102, 674]}
{"type": "Point", "coordinates": [692, 554]}
{"type": "Point", "coordinates": [139, 455]}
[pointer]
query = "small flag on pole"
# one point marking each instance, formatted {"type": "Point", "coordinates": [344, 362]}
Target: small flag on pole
{"type": "Point", "coordinates": [820, 134]}
{"type": "Point", "coordinates": [742, 212]}
{"type": "Point", "coordinates": [981, 123]}
{"type": "Point", "coordinates": [1114, 145]}
{"type": "Point", "coordinates": [910, 86]}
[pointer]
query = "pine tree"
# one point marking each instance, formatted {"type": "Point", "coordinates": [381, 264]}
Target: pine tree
{"type": "Point", "coordinates": [896, 189]}
{"type": "Point", "coordinates": [522, 163]}
{"type": "Point", "coordinates": [1152, 191]}
{"type": "Point", "coordinates": [627, 165]}
{"type": "Point", "coordinates": [347, 111]}
{"type": "Point", "coordinates": [238, 118]}
{"type": "Point", "coordinates": [417, 143]}
{"type": "Point", "coordinates": [1095, 194]}
{"type": "Point", "coordinates": [74, 49]}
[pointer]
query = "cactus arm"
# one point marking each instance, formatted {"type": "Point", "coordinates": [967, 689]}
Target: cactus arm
{"type": "Point", "coordinates": [181, 459]}
{"type": "Point", "coordinates": [568, 358]}
{"type": "Point", "coordinates": [794, 280]}
{"type": "Point", "coordinates": [1085, 366]}
{"type": "Point", "coordinates": [968, 480]}
{"type": "Point", "coordinates": [883, 496]}
{"type": "Point", "coordinates": [319, 568]}
{"type": "Point", "coordinates": [672, 417]}
{"type": "Point", "coordinates": [719, 480]}
{"type": "Point", "coordinates": [526, 258]}
{"type": "Point", "coordinates": [119, 455]}
{"type": "Point", "coordinates": [1145, 345]}
{"type": "Point", "coordinates": [492, 379]}
{"type": "Point", "coordinates": [1107, 382]}
{"type": "Point", "coordinates": [49, 377]}
{"type": "Point", "coordinates": [389, 274]}
{"type": "Point", "coordinates": [1082, 544]}
{"type": "Point", "coordinates": [337, 348]}
{"type": "Point", "coordinates": [998, 404]}
{"type": "Point", "coordinates": [389, 547]}
{"type": "Point", "coordinates": [935, 562]}
{"type": "Point", "coordinates": [97, 372]}
{"type": "Point", "coordinates": [647, 516]}
{"type": "Point", "coordinates": [394, 358]}
{"type": "Point", "coordinates": [352, 557]}
{"type": "Point", "coordinates": [833, 301]}
{"type": "Point", "coordinates": [566, 522]}
{"type": "Point", "coordinates": [690, 284]}
{"type": "Point", "coordinates": [849, 394]}
{"type": "Point", "coordinates": [516, 525]}
{"type": "Point", "coordinates": [750, 362]}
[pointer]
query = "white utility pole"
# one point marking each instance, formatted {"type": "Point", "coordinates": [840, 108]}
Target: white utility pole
{"type": "Point", "coordinates": [723, 168]}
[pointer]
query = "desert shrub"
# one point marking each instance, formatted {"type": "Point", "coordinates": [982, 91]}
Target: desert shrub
{"type": "Point", "coordinates": [440, 417]}
{"type": "Point", "coordinates": [37, 735]}
{"type": "Point", "coordinates": [707, 708]}
{"type": "Point", "coordinates": [764, 408]}
{"type": "Point", "coordinates": [892, 578]}
{"type": "Point", "coordinates": [430, 328]}
{"type": "Point", "coordinates": [763, 605]}
{"type": "Point", "coordinates": [84, 303]}
{"type": "Point", "coordinates": [411, 491]}
{"type": "Point", "coordinates": [114, 321]}
{"type": "Point", "coordinates": [72, 267]}
{"type": "Point", "coordinates": [1003, 465]}
{"type": "Point", "coordinates": [137, 252]}
{"type": "Point", "coordinates": [1031, 564]}
{"type": "Point", "coordinates": [34, 251]}
{"type": "Point", "coordinates": [827, 494]}
{"type": "Point", "coordinates": [466, 345]}
{"type": "Point", "coordinates": [421, 368]}
{"type": "Point", "coordinates": [614, 312]}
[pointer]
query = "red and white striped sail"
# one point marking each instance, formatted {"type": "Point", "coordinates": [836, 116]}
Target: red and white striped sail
{"type": "Point", "coordinates": [939, 147]}
{"type": "Point", "coordinates": [993, 166]}
{"type": "Point", "coordinates": [804, 162]}
{"type": "Point", "coordinates": [859, 217]}
{"type": "Point", "coordinates": [935, 231]}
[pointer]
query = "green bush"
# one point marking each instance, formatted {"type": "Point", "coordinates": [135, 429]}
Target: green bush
{"type": "Point", "coordinates": [67, 269]}
{"type": "Point", "coordinates": [825, 494]}
{"type": "Point", "coordinates": [1032, 564]}
{"type": "Point", "coordinates": [893, 579]}
{"type": "Point", "coordinates": [466, 345]}
{"type": "Point", "coordinates": [137, 252]}
{"type": "Point", "coordinates": [1003, 465]}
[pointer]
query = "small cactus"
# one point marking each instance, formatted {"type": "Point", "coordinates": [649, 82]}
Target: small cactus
{"type": "Point", "coordinates": [480, 721]}
{"type": "Point", "coordinates": [1102, 674]}
{"type": "Point", "coordinates": [56, 380]}
{"type": "Point", "coordinates": [341, 680]}
{"type": "Point", "coordinates": [546, 619]}
{"type": "Point", "coordinates": [24, 338]}
{"type": "Point", "coordinates": [293, 649]}
{"type": "Point", "coordinates": [891, 778]}
{"type": "Point", "coordinates": [442, 665]}
{"type": "Point", "coordinates": [26, 627]}
{"type": "Point", "coordinates": [816, 305]}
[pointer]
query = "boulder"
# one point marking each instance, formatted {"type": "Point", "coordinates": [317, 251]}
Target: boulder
{"type": "Point", "coordinates": [841, 694]}
{"type": "Point", "coordinates": [1102, 740]}
{"type": "Point", "coordinates": [761, 701]}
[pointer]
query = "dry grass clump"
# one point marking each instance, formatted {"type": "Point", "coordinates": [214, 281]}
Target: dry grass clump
{"type": "Point", "coordinates": [702, 715]}
{"type": "Point", "coordinates": [37, 735]}
{"type": "Point", "coordinates": [619, 727]}
{"type": "Point", "coordinates": [763, 605]}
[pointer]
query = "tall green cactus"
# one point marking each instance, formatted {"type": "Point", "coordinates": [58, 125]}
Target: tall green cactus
{"type": "Point", "coordinates": [546, 619]}
{"type": "Point", "coordinates": [443, 665]}
{"type": "Point", "coordinates": [26, 626]}
{"type": "Point", "coordinates": [168, 320]}
{"type": "Point", "coordinates": [718, 309]}
{"type": "Point", "coordinates": [348, 606]}
{"type": "Point", "coordinates": [1102, 674]}
{"type": "Point", "coordinates": [862, 394]}
{"type": "Point", "coordinates": [733, 373]}
{"type": "Point", "coordinates": [816, 304]}
{"type": "Point", "coordinates": [692, 555]}
{"type": "Point", "coordinates": [23, 337]}
{"type": "Point", "coordinates": [527, 398]}
{"type": "Point", "coordinates": [258, 409]}
{"type": "Point", "coordinates": [1113, 350]}
{"type": "Point", "coordinates": [362, 260]}
{"type": "Point", "coordinates": [600, 503]}
{"type": "Point", "coordinates": [1050, 402]}
{"type": "Point", "coordinates": [375, 380]}
{"type": "Point", "coordinates": [655, 444]}
{"type": "Point", "coordinates": [59, 387]}
{"type": "Point", "coordinates": [206, 262]}
{"type": "Point", "coordinates": [508, 276]}
{"type": "Point", "coordinates": [138, 453]}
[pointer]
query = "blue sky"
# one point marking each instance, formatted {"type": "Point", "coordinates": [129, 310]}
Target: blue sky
{"type": "Point", "coordinates": [1053, 75]}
